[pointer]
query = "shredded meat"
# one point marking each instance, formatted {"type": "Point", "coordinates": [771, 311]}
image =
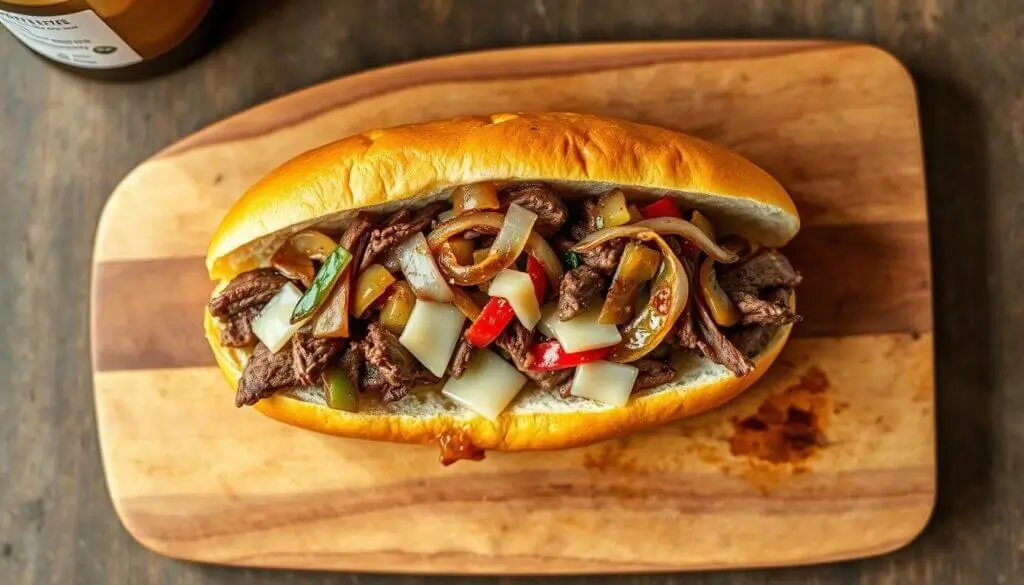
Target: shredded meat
{"type": "Point", "coordinates": [542, 200]}
{"type": "Point", "coordinates": [758, 311]}
{"type": "Point", "coordinates": [765, 269]}
{"type": "Point", "coordinates": [565, 388]}
{"type": "Point", "coordinates": [750, 340]}
{"type": "Point", "coordinates": [264, 374]}
{"type": "Point", "coordinates": [393, 364]}
{"type": "Point", "coordinates": [247, 290]}
{"type": "Point", "coordinates": [587, 222]}
{"type": "Point", "coordinates": [515, 340]}
{"type": "Point", "coordinates": [384, 238]}
{"type": "Point", "coordinates": [311, 355]}
{"type": "Point", "coordinates": [652, 373]}
{"type": "Point", "coordinates": [460, 360]}
{"type": "Point", "coordinates": [579, 289]}
{"type": "Point", "coordinates": [605, 257]}
{"type": "Point", "coordinates": [716, 346]}
{"type": "Point", "coordinates": [352, 361]}
{"type": "Point", "coordinates": [237, 329]}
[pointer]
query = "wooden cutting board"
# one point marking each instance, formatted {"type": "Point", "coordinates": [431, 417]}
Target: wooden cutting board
{"type": "Point", "coordinates": [193, 477]}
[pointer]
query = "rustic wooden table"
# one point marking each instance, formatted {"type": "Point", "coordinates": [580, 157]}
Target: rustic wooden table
{"type": "Point", "coordinates": [65, 142]}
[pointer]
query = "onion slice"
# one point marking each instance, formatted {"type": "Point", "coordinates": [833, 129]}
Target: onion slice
{"type": "Point", "coordinates": [662, 226]}
{"type": "Point", "coordinates": [516, 228]}
{"type": "Point", "coordinates": [490, 222]}
{"type": "Point", "coordinates": [421, 271]}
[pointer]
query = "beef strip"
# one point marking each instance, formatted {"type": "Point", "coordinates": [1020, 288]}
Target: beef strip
{"type": "Point", "coordinates": [587, 221]}
{"type": "Point", "coordinates": [765, 269]}
{"type": "Point", "coordinates": [750, 340]}
{"type": "Point", "coordinates": [713, 343]}
{"type": "Point", "coordinates": [264, 374]}
{"type": "Point", "coordinates": [311, 355]}
{"type": "Point", "coordinates": [392, 363]}
{"type": "Point", "coordinates": [758, 311]}
{"type": "Point", "coordinates": [515, 340]}
{"type": "Point", "coordinates": [684, 332]}
{"type": "Point", "coordinates": [352, 361]}
{"type": "Point", "coordinates": [460, 360]}
{"type": "Point", "coordinates": [579, 289]}
{"type": "Point", "coordinates": [247, 290]}
{"type": "Point", "coordinates": [237, 329]}
{"type": "Point", "coordinates": [605, 257]}
{"type": "Point", "coordinates": [383, 239]}
{"type": "Point", "coordinates": [652, 373]}
{"type": "Point", "coordinates": [542, 200]}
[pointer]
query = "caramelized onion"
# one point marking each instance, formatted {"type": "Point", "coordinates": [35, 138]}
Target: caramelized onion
{"type": "Point", "coordinates": [516, 228]}
{"type": "Point", "coordinates": [662, 226]}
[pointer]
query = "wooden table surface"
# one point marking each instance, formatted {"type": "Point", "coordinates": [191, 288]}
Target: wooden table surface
{"type": "Point", "coordinates": [65, 142]}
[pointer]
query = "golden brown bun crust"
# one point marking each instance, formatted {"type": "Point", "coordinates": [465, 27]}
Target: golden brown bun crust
{"type": "Point", "coordinates": [396, 164]}
{"type": "Point", "coordinates": [512, 432]}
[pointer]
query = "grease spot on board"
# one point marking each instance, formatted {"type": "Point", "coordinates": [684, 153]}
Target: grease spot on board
{"type": "Point", "coordinates": [610, 455]}
{"type": "Point", "coordinates": [787, 426]}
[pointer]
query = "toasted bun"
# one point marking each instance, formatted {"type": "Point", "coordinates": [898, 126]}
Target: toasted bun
{"type": "Point", "coordinates": [413, 165]}
{"type": "Point", "coordinates": [383, 169]}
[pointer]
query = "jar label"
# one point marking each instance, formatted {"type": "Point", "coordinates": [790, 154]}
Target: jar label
{"type": "Point", "coordinates": [80, 39]}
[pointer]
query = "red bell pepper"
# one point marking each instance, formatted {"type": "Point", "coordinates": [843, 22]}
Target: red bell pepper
{"type": "Point", "coordinates": [664, 207]}
{"type": "Point", "coordinates": [538, 276]}
{"type": "Point", "coordinates": [493, 319]}
{"type": "Point", "coordinates": [549, 355]}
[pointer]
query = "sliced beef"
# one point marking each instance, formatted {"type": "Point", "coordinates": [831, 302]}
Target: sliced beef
{"type": "Point", "coordinates": [765, 269]}
{"type": "Point", "coordinates": [311, 355]}
{"type": "Point", "coordinates": [579, 289]}
{"type": "Point", "coordinates": [587, 222]}
{"type": "Point", "coordinates": [605, 257]}
{"type": "Point", "coordinates": [750, 340]}
{"type": "Point", "coordinates": [713, 343]}
{"type": "Point", "coordinates": [393, 364]}
{"type": "Point", "coordinates": [768, 311]}
{"type": "Point", "coordinates": [352, 363]}
{"type": "Point", "coordinates": [264, 374]}
{"type": "Point", "coordinates": [516, 340]}
{"type": "Point", "coordinates": [460, 360]}
{"type": "Point", "coordinates": [236, 331]}
{"type": "Point", "coordinates": [565, 387]}
{"type": "Point", "coordinates": [383, 239]}
{"type": "Point", "coordinates": [542, 200]}
{"type": "Point", "coordinates": [684, 332]}
{"type": "Point", "coordinates": [652, 373]}
{"type": "Point", "coordinates": [247, 290]}
{"type": "Point", "coordinates": [354, 239]}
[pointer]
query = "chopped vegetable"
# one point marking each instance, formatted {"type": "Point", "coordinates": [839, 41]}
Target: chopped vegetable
{"type": "Point", "coordinates": [489, 222]}
{"type": "Point", "coordinates": [480, 255]}
{"type": "Point", "coordinates": [516, 228]}
{"type": "Point", "coordinates": [465, 303]}
{"type": "Point", "coordinates": [719, 304]}
{"type": "Point", "coordinates": [293, 264]}
{"type": "Point", "coordinates": [421, 271]}
{"type": "Point", "coordinates": [573, 260]}
{"type": "Point", "coordinates": [538, 276]}
{"type": "Point", "coordinates": [488, 386]}
{"type": "Point", "coordinates": [462, 249]}
{"type": "Point", "coordinates": [612, 210]}
{"type": "Point", "coordinates": [395, 313]}
{"type": "Point", "coordinates": [550, 355]}
{"type": "Point", "coordinates": [370, 285]}
{"type": "Point", "coordinates": [446, 215]}
{"type": "Point", "coordinates": [703, 225]}
{"type": "Point", "coordinates": [341, 394]}
{"type": "Point", "coordinates": [638, 265]}
{"type": "Point", "coordinates": [634, 213]}
{"type": "Point", "coordinates": [474, 197]}
{"type": "Point", "coordinates": [495, 316]}
{"type": "Point", "coordinates": [322, 285]}
{"type": "Point", "coordinates": [313, 244]}
{"type": "Point", "coordinates": [517, 288]}
{"type": "Point", "coordinates": [664, 207]}
{"type": "Point", "coordinates": [669, 290]}
{"type": "Point", "coordinates": [431, 334]}
{"type": "Point", "coordinates": [659, 226]}
{"type": "Point", "coordinates": [582, 332]}
{"type": "Point", "coordinates": [273, 326]}
{"type": "Point", "coordinates": [606, 382]}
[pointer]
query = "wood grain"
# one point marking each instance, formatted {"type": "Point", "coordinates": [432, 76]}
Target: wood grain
{"type": "Point", "coordinates": [184, 485]}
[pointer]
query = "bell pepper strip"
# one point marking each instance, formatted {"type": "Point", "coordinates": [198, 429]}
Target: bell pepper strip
{"type": "Point", "coordinates": [549, 355]}
{"type": "Point", "coordinates": [638, 265]}
{"type": "Point", "coordinates": [340, 392]}
{"type": "Point", "coordinates": [322, 284]}
{"type": "Point", "coordinates": [495, 316]}
{"type": "Point", "coordinates": [664, 207]}
{"type": "Point", "coordinates": [540, 278]}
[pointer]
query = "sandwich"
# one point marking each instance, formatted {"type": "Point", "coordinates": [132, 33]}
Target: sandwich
{"type": "Point", "coordinates": [506, 282]}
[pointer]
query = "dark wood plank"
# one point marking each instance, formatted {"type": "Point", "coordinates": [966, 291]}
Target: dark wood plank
{"type": "Point", "coordinates": [58, 527]}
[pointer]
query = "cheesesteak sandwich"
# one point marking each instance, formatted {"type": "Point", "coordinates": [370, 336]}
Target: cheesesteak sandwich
{"type": "Point", "coordinates": [517, 281]}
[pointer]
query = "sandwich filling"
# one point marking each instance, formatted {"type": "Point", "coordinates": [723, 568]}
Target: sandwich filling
{"type": "Point", "coordinates": [502, 285]}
